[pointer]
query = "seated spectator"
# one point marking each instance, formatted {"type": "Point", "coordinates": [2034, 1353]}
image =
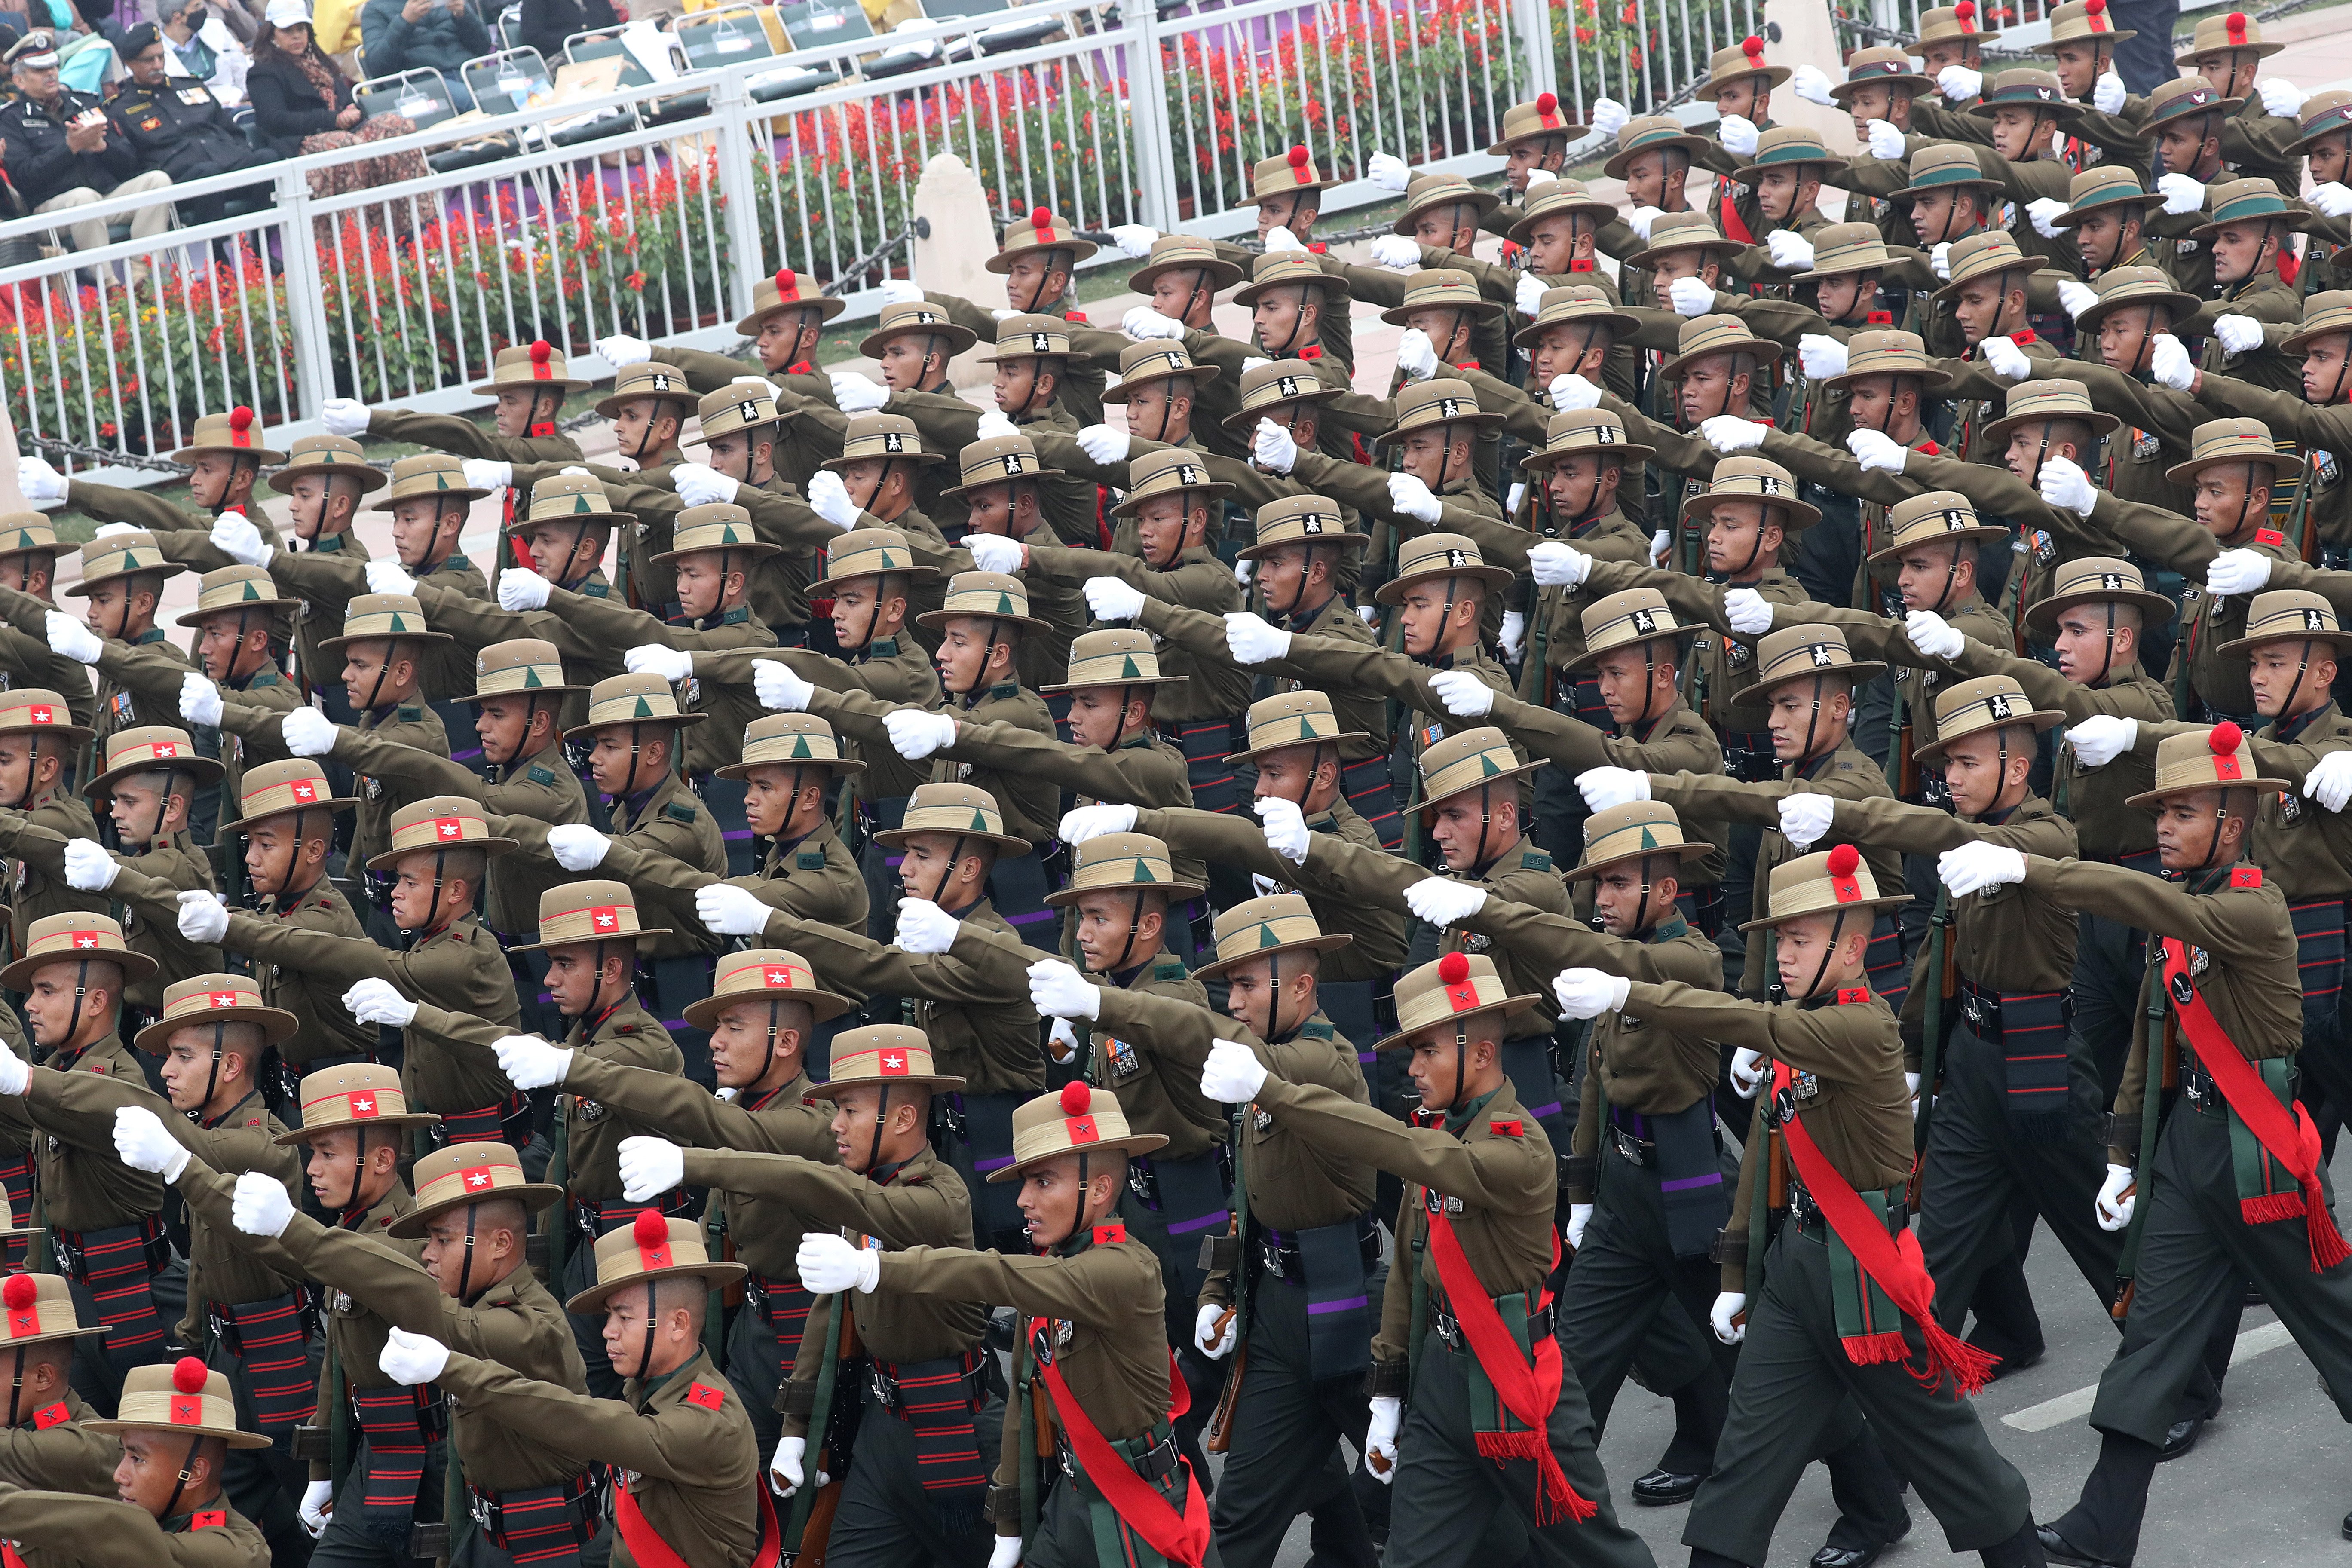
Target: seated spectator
{"type": "Point", "coordinates": [398, 36]}
{"type": "Point", "coordinates": [176, 125]}
{"type": "Point", "coordinates": [62, 152]}
{"type": "Point", "coordinates": [547, 23]}
{"type": "Point", "coordinates": [303, 104]}
{"type": "Point", "coordinates": [206, 47]}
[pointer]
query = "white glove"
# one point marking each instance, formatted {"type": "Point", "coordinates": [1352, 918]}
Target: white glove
{"type": "Point", "coordinates": [530, 1062]}
{"type": "Point", "coordinates": [1957, 83]}
{"type": "Point", "coordinates": [1731, 1303]}
{"type": "Point", "coordinates": [1005, 1553]}
{"type": "Point", "coordinates": [1820, 356]}
{"type": "Point", "coordinates": [621, 351]}
{"type": "Point", "coordinates": [649, 1166]}
{"type": "Point", "coordinates": [724, 910]}
{"type": "Point", "coordinates": [2181, 194]}
{"type": "Point", "coordinates": [1388, 1415]}
{"type": "Point", "coordinates": [1369, 613]}
{"type": "Point", "coordinates": [2064, 484]}
{"type": "Point", "coordinates": [412, 1359]}
{"type": "Point", "coordinates": [1805, 817]}
{"type": "Point", "coordinates": [1271, 449]}
{"type": "Point", "coordinates": [1058, 991]}
{"type": "Point", "coordinates": [1442, 902]}
{"type": "Point", "coordinates": [1465, 695]}
{"type": "Point", "coordinates": [1513, 634]}
{"type": "Point", "coordinates": [259, 1205]}
{"type": "Point", "coordinates": [2169, 362]}
{"type": "Point", "coordinates": [89, 868]}
{"type": "Point", "coordinates": [2281, 98]}
{"type": "Point", "coordinates": [853, 394]}
{"type": "Point", "coordinates": [1589, 992]}
{"type": "Point", "coordinates": [1102, 444]}
{"type": "Point", "coordinates": [2117, 1199]}
{"type": "Point", "coordinates": [1876, 451]}
{"type": "Point", "coordinates": [1388, 171]}
{"type": "Point", "coordinates": [1608, 115]}
{"type": "Point", "coordinates": [2101, 738]}
{"type": "Point", "coordinates": [374, 1000]}
{"type": "Point", "coordinates": [203, 920]}
{"type": "Point", "coordinates": [1885, 141]}
{"type": "Point", "coordinates": [344, 417]}
{"type": "Point", "coordinates": [2329, 781]}
{"type": "Point", "coordinates": [1232, 1074]}
{"type": "Point", "coordinates": [2332, 198]}
{"type": "Point", "coordinates": [1414, 498]}
{"type": "Point", "coordinates": [2058, 139]}
{"type": "Point", "coordinates": [1932, 634]}
{"type": "Point", "coordinates": [234, 536]}
{"type": "Point", "coordinates": [2075, 296]}
{"type": "Point", "coordinates": [1737, 135]}
{"type": "Point", "coordinates": [1416, 356]}
{"type": "Point", "coordinates": [73, 639]}
{"type": "Point", "coordinates": [2005, 359]}
{"type": "Point", "coordinates": [1690, 297]}
{"type": "Point", "coordinates": [1729, 433]}
{"type": "Point", "coordinates": [1113, 598]}
{"type": "Point", "coordinates": [924, 927]}
{"type": "Point", "coordinates": [521, 588]}
{"type": "Point", "coordinates": [307, 732]}
{"type": "Point", "coordinates": [1604, 787]}
{"type": "Point", "coordinates": [2108, 93]}
{"type": "Point", "coordinates": [672, 664]}
{"type": "Point", "coordinates": [16, 1074]}
{"type": "Point", "coordinates": [698, 484]}
{"type": "Point", "coordinates": [318, 1503]}
{"type": "Point", "coordinates": [785, 1472]}
{"type": "Point", "coordinates": [1791, 252]}
{"type": "Point", "coordinates": [1062, 1041]}
{"type": "Point", "coordinates": [2237, 571]}
{"type": "Point", "coordinates": [1143, 323]}
{"type": "Point", "coordinates": [1580, 1215]}
{"type": "Point", "coordinates": [1279, 240]}
{"type": "Point", "coordinates": [2238, 333]}
{"type": "Point", "coordinates": [389, 577]}
{"type": "Point", "coordinates": [1969, 868]}
{"type": "Point", "coordinates": [1746, 1072]}
{"type": "Point", "coordinates": [995, 553]}
{"type": "Point", "coordinates": [1397, 253]}
{"type": "Point", "coordinates": [1558, 565]}
{"type": "Point", "coordinates": [1252, 641]}
{"type": "Point", "coordinates": [828, 497]}
{"type": "Point", "coordinates": [829, 1265]}
{"type": "Point", "coordinates": [780, 687]}
{"type": "Point", "coordinates": [1940, 258]}
{"type": "Point", "coordinates": [1572, 392]}
{"type": "Point", "coordinates": [1134, 239]}
{"type": "Point", "coordinates": [900, 292]}
{"type": "Point", "coordinates": [487, 474]}
{"type": "Point", "coordinates": [2042, 210]}
{"type": "Point", "coordinates": [142, 1143]}
{"type": "Point", "coordinates": [577, 846]}
{"type": "Point", "coordinates": [1811, 86]}
{"type": "Point", "coordinates": [916, 734]}
{"type": "Point", "coordinates": [1640, 220]}
{"type": "Point", "coordinates": [1285, 827]}
{"type": "Point", "coordinates": [38, 481]}
{"type": "Point", "coordinates": [1528, 294]}
{"type": "Point", "coordinates": [1083, 822]}
{"type": "Point", "coordinates": [1214, 1330]}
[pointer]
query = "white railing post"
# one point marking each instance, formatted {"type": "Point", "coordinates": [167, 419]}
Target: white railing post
{"type": "Point", "coordinates": [1533, 19]}
{"type": "Point", "coordinates": [731, 102]}
{"type": "Point", "coordinates": [1148, 142]}
{"type": "Point", "coordinates": [306, 296]}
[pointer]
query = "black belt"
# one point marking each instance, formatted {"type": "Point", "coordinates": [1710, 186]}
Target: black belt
{"type": "Point", "coordinates": [1631, 1149]}
{"type": "Point", "coordinates": [1751, 766]}
{"type": "Point", "coordinates": [1277, 1255]}
{"type": "Point", "coordinates": [1156, 1463]}
{"type": "Point", "coordinates": [1805, 1211]}
{"type": "Point", "coordinates": [2197, 1088]}
{"type": "Point", "coordinates": [1448, 1326]}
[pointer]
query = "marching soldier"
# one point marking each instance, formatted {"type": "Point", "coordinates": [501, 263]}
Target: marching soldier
{"type": "Point", "coordinates": [28, 563]}
{"type": "Point", "coordinates": [37, 748]}
{"type": "Point", "coordinates": [48, 1443]}
{"type": "Point", "coordinates": [528, 381]}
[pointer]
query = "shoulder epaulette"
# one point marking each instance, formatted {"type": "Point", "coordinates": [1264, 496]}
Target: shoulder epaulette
{"type": "Point", "coordinates": [810, 860]}
{"type": "Point", "coordinates": [1535, 860]}
{"type": "Point", "coordinates": [702, 1394]}
{"type": "Point", "coordinates": [2246, 876]}
{"type": "Point", "coordinates": [1168, 969]}
{"type": "Point", "coordinates": [1315, 1031]}
{"type": "Point", "coordinates": [679, 811]}
{"type": "Point", "coordinates": [883, 647]}
{"type": "Point", "coordinates": [2270, 536]}
{"type": "Point", "coordinates": [541, 774]}
{"type": "Point", "coordinates": [413, 715]}
{"type": "Point", "coordinates": [1005, 689]}
{"type": "Point", "coordinates": [594, 589]}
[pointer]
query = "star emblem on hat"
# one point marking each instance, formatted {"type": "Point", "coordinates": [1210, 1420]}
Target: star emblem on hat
{"type": "Point", "coordinates": [779, 977]}
{"type": "Point", "coordinates": [448, 827]}
{"type": "Point", "coordinates": [86, 939]}
{"type": "Point", "coordinates": [220, 998]}
{"type": "Point", "coordinates": [305, 790]}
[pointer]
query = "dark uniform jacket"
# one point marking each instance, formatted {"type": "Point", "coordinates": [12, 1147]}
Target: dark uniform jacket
{"type": "Point", "coordinates": [40, 165]}
{"type": "Point", "coordinates": [179, 127]}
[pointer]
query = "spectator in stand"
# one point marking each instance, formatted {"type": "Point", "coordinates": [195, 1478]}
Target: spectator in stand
{"type": "Point", "coordinates": [407, 34]}
{"type": "Point", "coordinates": [547, 23]}
{"type": "Point", "coordinates": [177, 126]}
{"type": "Point", "coordinates": [209, 49]}
{"type": "Point", "coordinates": [62, 152]}
{"type": "Point", "coordinates": [303, 104]}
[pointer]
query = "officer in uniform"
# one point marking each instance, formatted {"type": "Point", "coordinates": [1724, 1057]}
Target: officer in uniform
{"type": "Point", "coordinates": [64, 153]}
{"type": "Point", "coordinates": [174, 124]}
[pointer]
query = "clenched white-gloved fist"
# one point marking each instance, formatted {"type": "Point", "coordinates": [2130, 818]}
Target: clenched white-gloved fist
{"type": "Point", "coordinates": [1083, 822]}
{"type": "Point", "coordinates": [1792, 251]}
{"type": "Point", "coordinates": [1886, 142]}
{"type": "Point", "coordinates": [2182, 195]}
{"type": "Point", "coordinates": [621, 351]}
{"type": "Point", "coordinates": [520, 589]}
{"type": "Point", "coordinates": [2077, 297]}
{"type": "Point", "coordinates": [1113, 599]}
{"type": "Point", "coordinates": [1271, 449]}
{"type": "Point", "coordinates": [1939, 260]}
{"type": "Point", "coordinates": [530, 1062]}
{"type": "Point", "coordinates": [577, 846]}
{"type": "Point", "coordinates": [1104, 444]}
{"type": "Point", "coordinates": [1820, 355]}
{"type": "Point", "coordinates": [1970, 868]}
{"type": "Point", "coordinates": [2118, 1195]}
{"type": "Point", "coordinates": [1388, 171]}
{"type": "Point", "coordinates": [1747, 611]}
{"type": "Point", "coordinates": [1589, 992]}
{"type": "Point", "coordinates": [2101, 738]}
{"type": "Point", "coordinates": [1690, 296]}
{"type": "Point", "coordinates": [2281, 98]}
{"type": "Point", "coordinates": [698, 484]}
{"type": "Point", "coordinates": [2108, 94]}
{"type": "Point", "coordinates": [650, 1167]}
{"type": "Point", "coordinates": [1746, 1072]}
{"type": "Point", "coordinates": [1580, 1218]}
{"type": "Point", "coordinates": [72, 638]}
{"type": "Point", "coordinates": [1572, 392]}
{"type": "Point", "coordinates": [780, 687]}
{"type": "Point", "coordinates": [1396, 253]}
{"type": "Point", "coordinates": [318, 1503]}
{"type": "Point", "coordinates": [1723, 1317]}
{"type": "Point", "coordinates": [1062, 1041]}
{"type": "Point", "coordinates": [1729, 433]}
{"type": "Point", "coordinates": [142, 1143]}
{"type": "Point", "coordinates": [1284, 828]}
{"type": "Point", "coordinates": [900, 292]}
{"type": "Point", "coordinates": [1143, 324]}
{"type": "Point", "coordinates": [307, 732]}
{"type": "Point", "coordinates": [2329, 781]}
{"type": "Point", "coordinates": [924, 927]}
{"type": "Point", "coordinates": [1416, 356]}
{"type": "Point", "coordinates": [1214, 1331]}
{"type": "Point", "coordinates": [1932, 634]}
{"type": "Point", "coordinates": [1380, 1439]}
{"type": "Point", "coordinates": [344, 417]}
{"type": "Point", "coordinates": [724, 910]}
{"type": "Point", "coordinates": [410, 1359]}
{"type": "Point", "coordinates": [784, 1466]}
{"type": "Point", "coordinates": [992, 424]}
{"type": "Point", "coordinates": [2238, 333]}
{"type": "Point", "coordinates": [1527, 295]}
{"type": "Point", "coordinates": [2005, 359]}
{"type": "Point", "coordinates": [1805, 817]}
{"type": "Point", "coordinates": [1414, 498]}
{"type": "Point", "coordinates": [260, 1206]}
{"type": "Point", "coordinates": [1608, 115]}
{"type": "Point", "coordinates": [1876, 451]}
{"type": "Point", "coordinates": [487, 473]}
{"type": "Point", "coordinates": [1513, 634]}
{"type": "Point", "coordinates": [38, 481]}
{"type": "Point", "coordinates": [1811, 84]}
{"type": "Point", "coordinates": [2333, 198]}
{"type": "Point", "coordinates": [1957, 84]}
{"type": "Point", "coordinates": [389, 577]}
{"type": "Point", "coordinates": [1465, 695]}
{"type": "Point", "coordinates": [916, 734]}
{"type": "Point", "coordinates": [829, 1265]}
{"type": "Point", "coordinates": [2169, 364]}
{"type": "Point", "coordinates": [2044, 211]}
{"type": "Point", "coordinates": [234, 536]}
{"type": "Point", "coordinates": [1005, 1553]}
{"type": "Point", "coordinates": [89, 867]}
{"type": "Point", "coordinates": [1252, 641]}
{"type": "Point", "coordinates": [2237, 571]}
{"type": "Point", "coordinates": [1605, 787]}
{"type": "Point", "coordinates": [373, 1000]}
{"type": "Point", "coordinates": [1737, 134]}
{"type": "Point", "coordinates": [1057, 990]}
{"type": "Point", "coordinates": [1231, 1074]}
{"type": "Point", "coordinates": [1134, 239]}
{"type": "Point", "coordinates": [2064, 485]}
{"type": "Point", "coordinates": [204, 919]}
{"type": "Point", "coordinates": [1442, 902]}
{"type": "Point", "coordinates": [1279, 240]}
{"type": "Point", "coordinates": [855, 393]}
{"type": "Point", "coordinates": [672, 664]}
{"type": "Point", "coordinates": [829, 499]}
{"type": "Point", "coordinates": [1558, 565]}
{"type": "Point", "coordinates": [1640, 220]}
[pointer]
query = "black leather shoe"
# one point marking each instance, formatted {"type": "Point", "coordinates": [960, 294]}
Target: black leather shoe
{"type": "Point", "coordinates": [1663, 1489]}
{"type": "Point", "coordinates": [2348, 1527]}
{"type": "Point", "coordinates": [1846, 1556]}
{"type": "Point", "coordinates": [2180, 1437]}
{"type": "Point", "coordinates": [2058, 1549]}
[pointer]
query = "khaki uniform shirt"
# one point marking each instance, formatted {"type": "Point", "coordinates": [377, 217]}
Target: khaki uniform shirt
{"type": "Point", "coordinates": [62, 1530]}
{"type": "Point", "coordinates": [55, 1455]}
{"type": "Point", "coordinates": [1232, 839]}
{"type": "Point", "coordinates": [815, 875]}
{"type": "Point", "coordinates": [38, 887]}
{"type": "Point", "coordinates": [83, 1182]}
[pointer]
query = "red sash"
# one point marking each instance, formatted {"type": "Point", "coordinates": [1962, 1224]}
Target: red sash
{"type": "Point", "coordinates": [1727, 212]}
{"type": "Point", "coordinates": [1892, 1262]}
{"type": "Point", "coordinates": [1179, 1538]}
{"type": "Point", "coordinates": [652, 1552]}
{"type": "Point", "coordinates": [2290, 1138]}
{"type": "Point", "coordinates": [1527, 1391]}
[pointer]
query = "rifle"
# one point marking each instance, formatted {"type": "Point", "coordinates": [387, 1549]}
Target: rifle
{"type": "Point", "coordinates": [1218, 1437]}
{"type": "Point", "coordinates": [1942, 965]}
{"type": "Point", "coordinates": [810, 1528]}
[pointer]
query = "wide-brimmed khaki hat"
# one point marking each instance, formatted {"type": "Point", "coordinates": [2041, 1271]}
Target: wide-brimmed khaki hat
{"type": "Point", "coordinates": [619, 700]}
{"type": "Point", "coordinates": [1746, 477]}
{"type": "Point", "coordinates": [1078, 1119]}
{"type": "Point", "coordinates": [763, 975]}
{"type": "Point", "coordinates": [1466, 760]}
{"type": "Point", "coordinates": [1170, 470]}
{"type": "Point", "coordinates": [2326, 114]}
{"type": "Point", "coordinates": [1796, 652]}
{"type": "Point", "coordinates": [893, 1056]}
{"type": "Point", "coordinates": [1946, 165]}
{"type": "Point", "coordinates": [1886, 65]}
{"type": "Point", "coordinates": [568, 498]}
{"type": "Point", "coordinates": [71, 936]}
{"type": "Point", "coordinates": [2079, 19]}
{"type": "Point", "coordinates": [1157, 359]}
{"type": "Point", "coordinates": [1988, 702]}
{"type": "Point", "coordinates": [1427, 190]}
{"type": "Point", "coordinates": [2232, 33]}
{"type": "Point", "coordinates": [995, 460]}
{"type": "Point", "coordinates": [1257, 927]}
{"type": "Point", "coordinates": [428, 474]}
{"type": "Point", "coordinates": [790, 741]}
{"type": "Point", "coordinates": [1885, 351]}
{"type": "Point", "coordinates": [519, 666]}
{"type": "Point", "coordinates": [26, 533]}
{"type": "Point", "coordinates": [1840, 248]}
{"type": "Point", "coordinates": [1673, 232]}
{"type": "Point", "coordinates": [149, 749]}
{"type": "Point", "coordinates": [2121, 287]}
{"type": "Point", "coordinates": [2322, 313]}
{"type": "Point", "coordinates": [1951, 24]}
{"type": "Point", "coordinates": [1932, 517]}
{"type": "Point", "coordinates": [1542, 117]}
{"type": "Point", "coordinates": [35, 709]}
{"type": "Point", "coordinates": [2289, 615]}
{"type": "Point", "coordinates": [2219, 441]}
{"type": "Point", "coordinates": [953, 810]}
{"type": "Point", "coordinates": [2106, 185]}
{"type": "Point", "coordinates": [1441, 400]}
{"type": "Point", "coordinates": [216, 999]}
{"type": "Point", "coordinates": [466, 1173]}
{"type": "Point", "coordinates": [1628, 619]}
{"type": "Point", "coordinates": [1115, 656]}
{"type": "Point", "coordinates": [1040, 230]}
{"type": "Point", "coordinates": [1293, 170]}
{"type": "Point", "coordinates": [917, 318]}
{"type": "Point", "coordinates": [39, 1309]}
{"type": "Point", "coordinates": [237, 432]}
{"type": "Point", "coordinates": [1832, 881]}
{"type": "Point", "coordinates": [1440, 555]}
{"type": "Point", "coordinates": [1738, 63]}
{"type": "Point", "coordinates": [654, 1248]}
{"type": "Point", "coordinates": [869, 552]}
{"type": "Point", "coordinates": [436, 823]}
{"type": "Point", "coordinates": [1112, 862]}
{"type": "Point", "coordinates": [1559, 197]}
{"type": "Point", "coordinates": [1986, 254]}
{"type": "Point", "coordinates": [382, 617]}
{"type": "Point", "coordinates": [717, 528]}
{"type": "Point", "coordinates": [2220, 757]}
{"type": "Point", "coordinates": [744, 403]}
{"type": "Point", "coordinates": [1578, 431]}
{"type": "Point", "coordinates": [118, 555]}
{"type": "Point", "coordinates": [2184, 96]}
{"type": "Point", "coordinates": [585, 914]}
{"type": "Point", "coordinates": [2025, 87]}
{"type": "Point", "coordinates": [1190, 253]}
{"type": "Point", "coordinates": [535, 364]}
{"type": "Point", "coordinates": [1442, 289]}
{"type": "Point", "coordinates": [1286, 268]}
{"type": "Point", "coordinates": [788, 290]}
{"type": "Point", "coordinates": [241, 589]}
{"type": "Point", "coordinates": [2053, 397]}
{"type": "Point", "coordinates": [1789, 146]}
{"type": "Point", "coordinates": [1637, 830]}
{"type": "Point", "coordinates": [1276, 384]}
{"type": "Point", "coordinates": [338, 456]}
{"type": "Point", "coordinates": [886, 438]}
{"type": "Point", "coordinates": [2097, 579]}
{"type": "Point", "coordinates": [284, 788]}
{"type": "Point", "coordinates": [2249, 200]}
{"type": "Point", "coordinates": [1301, 519]}
{"type": "Point", "coordinates": [1291, 719]}
{"type": "Point", "coordinates": [1701, 337]}
{"type": "Point", "coordinates": [651, 379]}
{"type": "Point", "coordinates": [1571, 304]}
{"type": "Point", "coordinates": [183, 1398]}
{"type": "Point", "coordinates": [993, 596]}
{"type": "Point", "coordinates": [1649, 133]}
{"type": "Point", "coordinates": [352, 1094]}
{"type": "Point", "coordinates": [1033, 337]}
{"type": "Point", "coordinates": [1446, 993]}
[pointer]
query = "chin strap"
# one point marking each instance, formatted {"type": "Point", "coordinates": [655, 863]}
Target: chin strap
{"type": "Point", "coordinates": [212, 1078]}
{"type": "Point", "coordinates": [1134, 928]}
{"type": "Point", "coordinates": [1837, 928]}
{"type": "Point", "coordinates": [652, 1317]}
{"type": "Point", "coordinates": [466, 1269]}
{"type": "Point", "coordinates": [881, 1114]}
{"type": "Point", "coordinates": [187, 1474]}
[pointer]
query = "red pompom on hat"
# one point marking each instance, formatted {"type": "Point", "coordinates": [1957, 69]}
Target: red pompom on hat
{"type": "Point", "coordinates": [188, 1375]}
{"type": "Point", "coordinates": [240, 417]}
{"type": "Point", "coordinates": [1454, 968]}
{"type": "Point", "coordinates": [1299, 157]}
{"type": "Point", "coordinates": [19, 1292]}
{"type": "Point", "coordinates": [651, 1229]}
{"type": "Point", "coordinates": [2094, 7]}
{"type": "Point", "coordinates": [1042, 221]}
{"type": "Point", "coordinates": [1966, 10]}
{"type": "Point", "coordinates": [2225, 739]}
{"type": "Point", "coordinates": [2237, 21]}
{"type": "Point", "coordinates": [1752, 46]}
{"type": "Point", "coordinates": [788, 286]}
{"type": "Point", "coordinates": [540, 352]}
{"type": "Point", "coordinates": [1548, 103]}
{"type": "Point", "coordinates": [1843, 860]}
{"type": "Point", "coordinates": [1076, 1097]}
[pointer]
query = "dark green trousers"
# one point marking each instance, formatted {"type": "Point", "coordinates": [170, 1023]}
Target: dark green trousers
{"type": "Point", "coordinates": [1066, 1529]}
{"type": "Point", "coordinates": [1286, 1428]}
{"type": "Point", "coordinates": [885, 1520]}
